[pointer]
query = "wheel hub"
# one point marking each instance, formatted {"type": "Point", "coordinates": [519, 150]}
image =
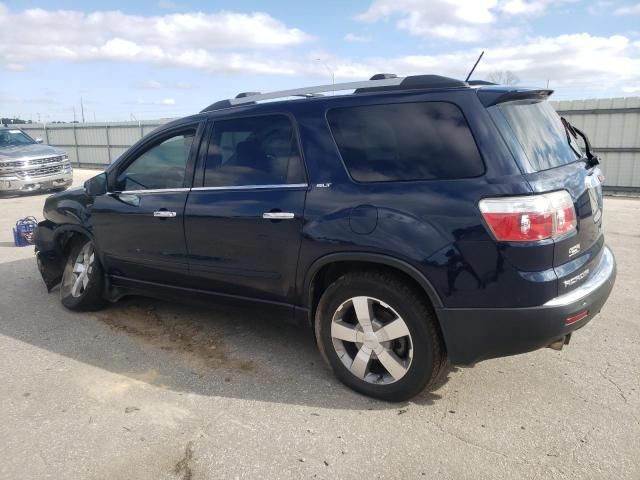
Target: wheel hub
{"type": "Point", "coordinates": [372, 340]}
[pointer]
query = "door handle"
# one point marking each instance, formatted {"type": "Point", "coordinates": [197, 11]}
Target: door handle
{"type": "Point", "coordinates": [164, 214]}
{"type": "Point", "coordinates": [278, 215]}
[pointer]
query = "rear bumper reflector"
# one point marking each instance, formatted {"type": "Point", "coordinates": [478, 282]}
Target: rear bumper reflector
{"type": "Point", "coordinates": [576, 318]}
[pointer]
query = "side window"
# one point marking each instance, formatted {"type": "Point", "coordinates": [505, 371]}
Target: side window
{"type": "Point", "coordinates": [259, 150]}
{"type": "Point", "coordinates": [405, 141]}
{"type": "Point", "coordinates": [162, 166]}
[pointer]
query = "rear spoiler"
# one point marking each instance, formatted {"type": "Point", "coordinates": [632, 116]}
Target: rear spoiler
{"type": "Point", "coordinates": [492, 96]}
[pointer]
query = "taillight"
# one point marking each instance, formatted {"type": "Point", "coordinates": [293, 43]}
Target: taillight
{"type": "Point", "coordinates": [530, 218]}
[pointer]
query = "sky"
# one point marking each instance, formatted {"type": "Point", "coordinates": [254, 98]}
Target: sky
{"type": "Point", "coordinates": [146, 59]}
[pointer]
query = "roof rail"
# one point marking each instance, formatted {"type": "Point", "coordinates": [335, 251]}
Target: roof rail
{"type": "Point", "coordinates": [382, 82]}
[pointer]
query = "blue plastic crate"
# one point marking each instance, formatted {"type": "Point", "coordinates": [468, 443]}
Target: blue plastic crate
{"type": "Point", "coordinates": [23, 231]}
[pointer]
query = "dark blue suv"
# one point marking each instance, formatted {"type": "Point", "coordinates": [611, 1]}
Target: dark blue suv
{"type": "Point", "coordinates": [410, 221]}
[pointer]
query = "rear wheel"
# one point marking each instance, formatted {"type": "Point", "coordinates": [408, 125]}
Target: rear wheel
{"type": "Point", "coordinates": [379, 336]}
{"type": "Point", "coordinates": [82, 281]}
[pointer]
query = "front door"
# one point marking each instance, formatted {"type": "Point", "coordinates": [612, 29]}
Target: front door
{"type": "Point", "coordinates": [138, 225]}
{"type": "Point", "coordinates": [243, 224]}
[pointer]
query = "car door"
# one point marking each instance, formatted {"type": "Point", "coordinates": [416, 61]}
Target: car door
{"type": "Point", "coordinates": [138, 224]}
{"type": "Point", "coordinates": [244, 220]}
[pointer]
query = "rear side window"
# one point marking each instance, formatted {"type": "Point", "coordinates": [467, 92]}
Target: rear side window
{"type": "Point", "coordinates": [251, 151]}
{"type": "Point", "coordinates": [539, 130]}
{"type": "Point", "coordinates": [408, 141]}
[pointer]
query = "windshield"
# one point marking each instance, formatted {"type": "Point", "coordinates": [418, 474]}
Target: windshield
{"type": "Point", "coordinates": [13, 138]}
{"type": "Point", "coordinates": [541, 133]}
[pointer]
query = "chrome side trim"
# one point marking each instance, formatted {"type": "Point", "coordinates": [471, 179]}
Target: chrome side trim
{"type": "Point", "coordinates": [603, 272]}
{"type": "Point", "coordinates": [253, 187]}
{"type": "Point", "coordinates": [157, 190]}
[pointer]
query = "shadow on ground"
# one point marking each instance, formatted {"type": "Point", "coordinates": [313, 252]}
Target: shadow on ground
{"type": "Point", "coordinates": [215, 350]}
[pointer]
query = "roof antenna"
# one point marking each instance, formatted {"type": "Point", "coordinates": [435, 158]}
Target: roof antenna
{"type": "Point", "coordinates": [474, 67]}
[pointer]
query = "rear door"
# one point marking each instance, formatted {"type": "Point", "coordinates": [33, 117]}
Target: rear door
{"type": "Point", "coordinates": [553, 160]}
{"type": "Point", "coordinates": [243, 222]}
{"type": "Point", "coordinates": [138, 224]}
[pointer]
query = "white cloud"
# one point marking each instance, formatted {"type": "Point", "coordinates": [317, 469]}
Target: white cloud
{"type": "Point", "coordinates": [156, 85]}
{"type": "Point", "coordinates": [150, 84]}
{"type": "Point", "coordinates": [451, 19]}
{"type": "Point", "coordinates": [569, 62]}
{"type": "Point", "coordinates": [524, 7]}
{"type": "Point", "coordinates": [352, 37]}
{"type": "Point", "coordinates": [460, 20]}
{"type": "Point", "coordinates": [164, 101]}
{"type": "Point", "coordinates": [628, 10]}
{"type": "Point", "coordinates": [222, 42]}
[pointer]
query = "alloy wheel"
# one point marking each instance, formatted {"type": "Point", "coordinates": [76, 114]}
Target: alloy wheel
{"type": "Point", "coordinates": [82, 268]}
{"type": "Point", "coordinates": [372, 340]}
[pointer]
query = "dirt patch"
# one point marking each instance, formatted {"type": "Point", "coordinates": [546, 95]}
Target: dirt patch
{"type": "Point", "coordinates": [195, 343]}
{"type": "Point", "coordinates": [183, 466]}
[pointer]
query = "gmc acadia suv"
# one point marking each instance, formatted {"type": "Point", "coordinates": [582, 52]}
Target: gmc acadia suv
{"type": "Point", "coordinates": [409, 221]}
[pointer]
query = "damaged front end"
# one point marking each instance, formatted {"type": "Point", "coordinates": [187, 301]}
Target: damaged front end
{"type": "Point", "coordinates": [49, 256]}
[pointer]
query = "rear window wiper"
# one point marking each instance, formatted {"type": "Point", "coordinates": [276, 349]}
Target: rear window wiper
{"type": "Point", "coordinates": [592, 160]}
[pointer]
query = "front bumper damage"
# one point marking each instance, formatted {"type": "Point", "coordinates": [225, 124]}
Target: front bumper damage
{"type": "Point", "coordinates": [48, 255]}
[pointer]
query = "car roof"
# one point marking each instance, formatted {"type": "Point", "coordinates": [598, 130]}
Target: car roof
{"type": "Point", "coordinates": [380, 84]}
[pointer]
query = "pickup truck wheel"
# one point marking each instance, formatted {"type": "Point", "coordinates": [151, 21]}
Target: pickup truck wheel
{"type": "Point", "coordinates": [379, 336]}
{"type": "Point", "coordinates": [82, 280]}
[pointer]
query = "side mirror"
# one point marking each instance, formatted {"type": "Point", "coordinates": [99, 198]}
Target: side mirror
{"type": "Point", "coordinates": [39, 140]}
{"type": "Point", "coordinates": [97, 185]}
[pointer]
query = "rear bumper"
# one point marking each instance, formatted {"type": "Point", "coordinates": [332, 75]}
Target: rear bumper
{"type": "Point", "coordinates": [473, 334]}
{"type": "Point", "coordinates": [15, 184]}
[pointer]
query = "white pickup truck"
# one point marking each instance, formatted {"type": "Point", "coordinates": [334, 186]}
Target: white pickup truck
{"type": "Point", "coordinates": [26, 165]}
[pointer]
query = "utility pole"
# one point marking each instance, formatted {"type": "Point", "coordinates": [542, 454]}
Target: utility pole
{"type": "Point", "coordinates": [82, 109]}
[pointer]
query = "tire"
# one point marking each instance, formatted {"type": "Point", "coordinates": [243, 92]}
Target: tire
{"type": "Point", "coordinates": [81, 287]}
{"type": "Point", "coordinates": [403, 358]}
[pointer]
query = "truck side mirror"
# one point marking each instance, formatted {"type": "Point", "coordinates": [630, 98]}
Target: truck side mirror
{"type": "Point", "coordinates": [39, 140]}
{"type": "Point", "coordinates": [97, 185]}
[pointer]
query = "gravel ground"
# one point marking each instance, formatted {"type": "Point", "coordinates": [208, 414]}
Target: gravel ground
{"type": "Point", "coordinates": [152, 390]}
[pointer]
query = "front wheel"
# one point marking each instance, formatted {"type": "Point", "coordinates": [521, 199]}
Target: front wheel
{"type": "Point", "coordinates": [379, 336]}
{"type": "Point", "coordinates": [82, 281]}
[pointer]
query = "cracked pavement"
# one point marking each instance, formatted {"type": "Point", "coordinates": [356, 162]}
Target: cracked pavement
{"type": "Point", "coordinates": [152, 390]}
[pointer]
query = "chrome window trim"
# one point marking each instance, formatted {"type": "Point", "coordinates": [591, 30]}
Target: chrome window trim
{"type": "Point", "coordinates": [231, 187]}
{"type": "Point", "coordinates": [155, 190]}
{"type": "Point", "coordinates": [253, 187]}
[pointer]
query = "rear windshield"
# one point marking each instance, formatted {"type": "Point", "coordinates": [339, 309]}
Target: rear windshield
{"type": "Point", "coordinates": [539, 130]}
{"type": "Point", "coordinates": [405, 141]}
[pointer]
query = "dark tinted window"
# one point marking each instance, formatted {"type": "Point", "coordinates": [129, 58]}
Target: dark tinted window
{"type": "Point", "coordinates": [162, 166]}
{"type": "Point", "coordinates": [253, 151]}
{"type": "Point", "coordinates": [539, 130]}
{"type": "Point", "coordinates": [409, 141]}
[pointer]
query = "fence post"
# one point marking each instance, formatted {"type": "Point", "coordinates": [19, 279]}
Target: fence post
{"type": "Point", "coordinates": [108, 144]}
{"type": "Point", "coordinates": [46, 134]}
{"type": "Point", "coordinates": [75, 142]}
